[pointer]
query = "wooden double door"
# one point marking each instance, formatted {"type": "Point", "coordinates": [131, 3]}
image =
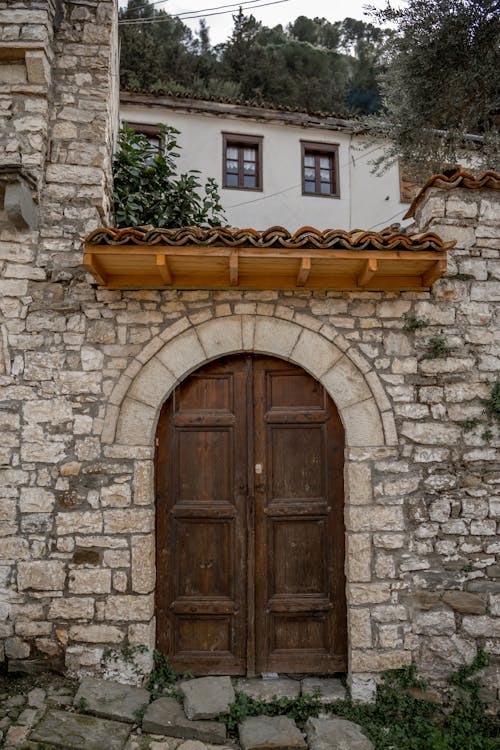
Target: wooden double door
{"type": "Point", "coordinates": [250, 531]}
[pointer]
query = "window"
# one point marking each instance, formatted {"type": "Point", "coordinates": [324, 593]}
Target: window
{"type": "Point", "coordinates": [242, 161]}
{"type": "Point", "coordinates": [320, 169]}
{"type": "Point", "coordinates": [152, 133]}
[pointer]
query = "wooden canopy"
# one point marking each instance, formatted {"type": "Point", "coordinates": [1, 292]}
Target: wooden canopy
{"type": "Point", "coordinates": [218, 258]}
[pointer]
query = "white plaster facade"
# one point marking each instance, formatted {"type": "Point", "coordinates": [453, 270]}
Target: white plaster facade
{"type": "Point", "coordinates": [367, 200]}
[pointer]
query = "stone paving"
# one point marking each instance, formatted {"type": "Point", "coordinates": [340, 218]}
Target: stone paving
{"type": "Point", "coordinates": [98, 714]}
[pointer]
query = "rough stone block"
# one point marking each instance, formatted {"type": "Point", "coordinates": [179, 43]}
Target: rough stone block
{"type": "Point", "coordinates": [41, 575]}
{"type": "Point", "coordinates": [328, 688]}
{"type": "Point", "coordinates": [90, 581]}
{"type": "Point", "coordinates": [336, 734]}
{"type": "Point", "coordinates": [153, 383]}
{"type": "Point", "coordinates": [207, 697]}
{"type": "Point", "coordinates": [77, 732]}
{"type": "Point", "coordinates": [465, 602]}
{"type": "Point", "coordinates": [275, 336]}
{"type": "Point", "coordinates": [72, 608]}
{"type": "Point", "coordinates": [270, 733]}
{"type": "Point", "coordinates": [129, 608]}
{"type": "Point", "coordinates": [111, 700]}
{"type": "Point", "coordinates": [143, 563]}
{"type": "Point", "coordinates": [346, 384]}
{"type": "Point", "coordinates": [268, 690]}
{"type": "Point", "coordinates": [165, 716]}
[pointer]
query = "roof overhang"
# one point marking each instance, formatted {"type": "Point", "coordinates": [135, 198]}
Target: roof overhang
{"type": "Point", "coordinates": [193, 258]}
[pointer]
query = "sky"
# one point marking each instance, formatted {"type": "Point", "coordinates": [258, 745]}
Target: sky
{"type": "Point", "coordinates": [221, 25]}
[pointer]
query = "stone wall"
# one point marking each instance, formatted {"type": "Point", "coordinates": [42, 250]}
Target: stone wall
{"type": "Point", "coordinates": [85, 371]}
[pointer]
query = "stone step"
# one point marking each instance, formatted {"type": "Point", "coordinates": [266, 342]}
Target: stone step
{"type": "Point", "coordinates": [329, 689]}
{"type": "Point", "coordinates": [76, 732]}
{"type": "Point", "coordinates": [268, 690]}
{"type": "Point", "coordinates": [207, 697]}
{"type": "Point", "coordinates": [336, 734]}
{"type": "Point", "coordinates": [166, 716]}
{"type": "Point", "coordinates": [111, 700]}
{"type": "Point", "coordinates": [270, 733]}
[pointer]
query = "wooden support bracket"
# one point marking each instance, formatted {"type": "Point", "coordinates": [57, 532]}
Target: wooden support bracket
{"type": "Point", "coordinates": [233, 268]}
{"type": "Point", "coordinates": [94, 267]}
{"type": "Point", "coordinates": [435, 271]}
{"type": "Point", "coordinates": [304, 270]}
{"type": "Point", "coordinates": [368, 272]}
{"type": "Point", "coordinates": [164, 270]}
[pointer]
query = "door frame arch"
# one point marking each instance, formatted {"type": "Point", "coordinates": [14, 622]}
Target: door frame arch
{"type": "Point", "coordinates": [366, 413]}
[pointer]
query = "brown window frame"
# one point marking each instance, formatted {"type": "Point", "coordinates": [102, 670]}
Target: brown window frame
{"type": "Point", "coordinates": [239, 141]}
{"type": "Point", "coordinates": [150, 131]}
{"type": "Point", "coordinates": [318, 149]}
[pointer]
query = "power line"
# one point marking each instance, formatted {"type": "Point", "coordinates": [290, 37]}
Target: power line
{"type": "Point", "coordinates": [200, 13]}
{"type": "Point", "coordinates": [147, 5]}
{"type": "Point", "coordinates": [184, 13]}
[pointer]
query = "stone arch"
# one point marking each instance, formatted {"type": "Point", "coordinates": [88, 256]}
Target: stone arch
{"type": "Point", "coordinates": [138, 396]}
{"type": "Point", "coordinates": [366, 413]}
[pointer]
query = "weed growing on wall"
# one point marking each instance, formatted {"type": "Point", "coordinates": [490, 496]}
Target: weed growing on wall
{"type": "Point", "coordinates": [412, 323]}
{"type": "Point", "coordinates": [492, 404]}
{"type": "Point", "coordinates": [438, 347]}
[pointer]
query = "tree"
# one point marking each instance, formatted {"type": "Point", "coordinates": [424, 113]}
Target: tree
{"type": "Point", "coordinates": [441, 89]}
{"type": "Point", "coordinates": [148, 190]}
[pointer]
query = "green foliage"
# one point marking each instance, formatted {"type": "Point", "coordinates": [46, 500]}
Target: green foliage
{"type": "Point", "coordinates": [82, 704]}
{"type": "Point", "coordinates": [438, 347]}
{"type": "Point", "coordinates": [441, 83]}
{"type": "Point", "coordinates": [487, 436]}
{"type": "Point", "coordinates": [127, 654]}
{"type": "Point", "coordinates": [492, 403]}
{"type": "Point", "coordinates": [148, 190]}
{"type": "Point", "coordinates": [412, 323]}
{"type": "Point", "coordinates": [163, 677]}
{"type": "Point", "coordinates": [313, 64]}
{"type": "Point", "coordinates": [299, 709]}
{"type": "Point", "coordinates": [139, 713]}
{"type": "Point", "coordinates": [398, 720]}
{"type": "Point", "coordinates": [469, 424]}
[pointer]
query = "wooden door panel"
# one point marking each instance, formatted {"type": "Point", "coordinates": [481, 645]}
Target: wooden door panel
{"type": "Point", "coordinates": [297, 563]}
{"type": "Point", "coordinates": [300, 604]}
{"type": "Point", "coordinates": [201, 513]}
{"type": "Point", "coordinates": [291, 479]}
{"type": "Point", "coordinates": [200, 447]}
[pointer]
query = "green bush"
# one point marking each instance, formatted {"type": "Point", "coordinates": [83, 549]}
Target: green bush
{"type": "Point", "coordinates": [148, 190]}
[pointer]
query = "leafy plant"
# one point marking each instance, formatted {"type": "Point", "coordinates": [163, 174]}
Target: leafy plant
{"type": "Point", "coordinates": [487, 436]}
{"type": "Point", "coordinates": [162, 677]}
{"type": "Point", "coordinates": [438, 347]}
{"type": "Point", "coordinates": [469, 424]}
{"type": "Point", "coordinates": [148, 190]}
{"type": "Point", "coordinates": [492, 403]}
{"type": "Point", "coordinates": [412, 323]}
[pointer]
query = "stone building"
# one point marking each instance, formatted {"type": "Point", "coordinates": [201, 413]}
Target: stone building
{"type": "Point", "coordinates": [85, 370]}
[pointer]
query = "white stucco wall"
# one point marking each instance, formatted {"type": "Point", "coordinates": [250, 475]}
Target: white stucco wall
{"type": "Point", "coordinates": [366, 201]}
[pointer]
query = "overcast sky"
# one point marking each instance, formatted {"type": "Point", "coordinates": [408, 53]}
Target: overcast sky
{"type": "Point", "coordinates": [221, 25]}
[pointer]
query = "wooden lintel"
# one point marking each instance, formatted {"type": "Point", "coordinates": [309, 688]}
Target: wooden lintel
{"type": "Point", "coordinates": [368, 272]}
{"type": "Point", "coordinates": [233, 268]}
{"type": "Point", "coordinates": [90, 262]}
{"type": "Point", "coordinates": [434, 272]}
{"type": "Point", "coordinates": [164, 270]}
{"type": "Point", "coordinates": [304, 270]}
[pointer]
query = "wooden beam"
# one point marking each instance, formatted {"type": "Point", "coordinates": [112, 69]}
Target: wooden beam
{"type": "Point", "coordinates": [162, 266]}
{"type": "Point", "coordinates": [433, 274]}
{"type": "Point", "coordinates": [368, 272]}
{"type": "Point", "coordinates": [90, 262]}
{"type": "Point", "coordinates": [233, 268]}
{"type": "Point", "coordinates": [304, 270]}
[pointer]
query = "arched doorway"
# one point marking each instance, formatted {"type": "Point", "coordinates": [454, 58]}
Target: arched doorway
{"type": "Point", "coordinates": [250, 531]}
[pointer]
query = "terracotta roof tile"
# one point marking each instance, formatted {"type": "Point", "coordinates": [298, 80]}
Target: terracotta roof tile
{"type": "Point", "coordinates": [461, 178]}
{"type": "Point", "coordinates": [278, 237]}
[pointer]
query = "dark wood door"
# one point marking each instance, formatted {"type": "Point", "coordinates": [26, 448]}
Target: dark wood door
{"type": "Point", "coordinates": [250, 533]}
